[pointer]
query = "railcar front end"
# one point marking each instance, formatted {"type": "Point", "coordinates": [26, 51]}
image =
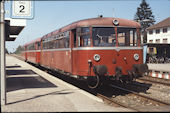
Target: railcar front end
{"type": "Point", "coordinates": [112, 52]}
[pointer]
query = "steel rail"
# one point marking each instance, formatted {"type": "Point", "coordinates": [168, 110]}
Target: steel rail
{"type": "Point", "coordinates": [114, 102]}
{"type": "Point", "coordinates": [143, 96]}
{"type": "Point", "coordinates": [152, 81]}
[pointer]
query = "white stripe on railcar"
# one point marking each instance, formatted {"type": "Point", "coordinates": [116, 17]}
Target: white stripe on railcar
{"type": "Point", "coordinates": [108, 48]}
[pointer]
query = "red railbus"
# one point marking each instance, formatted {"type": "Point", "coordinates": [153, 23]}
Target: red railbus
{"type": "Point", "coordinates": [32, 51]}
{"type": "Point", "coordinates": [93, 49]}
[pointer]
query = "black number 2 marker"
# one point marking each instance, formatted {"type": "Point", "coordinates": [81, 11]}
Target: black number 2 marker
{"type": "Point", "coordinates": [22, 8]}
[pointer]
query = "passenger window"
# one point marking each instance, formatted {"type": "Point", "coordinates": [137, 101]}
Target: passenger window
{"type": "Point", "coordinates": [85, 30]}
{"type": "Point", "coordinates": [84, 41]}
{"type": "Point", "coordinates": [67, 39]}
{"type": "Point", "coordinates": [126, 37]}
{"type": "Point", "coordinates": [67, 42]}
{"type": "Point", "coordinates": [39, 45]}
{"type": "Point", "coordinates": [75, 39]}
{"type": "Point", "coordinates": [103, 36]}
{"type": "Point", "coordinates": [61, 43]}
{"type": "Point", "coordinates": [83, 37]}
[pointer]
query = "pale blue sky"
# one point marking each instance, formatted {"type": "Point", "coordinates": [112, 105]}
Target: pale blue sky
{"type": "Point", "coordinates": [51, 15]}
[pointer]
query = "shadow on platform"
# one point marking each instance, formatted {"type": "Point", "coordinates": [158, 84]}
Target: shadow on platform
{"type": "Point", "coordinates": [38, 96]}
{"type": "Point", "coordinates": [22, 79]}
{"type": "Point", "coordinates": [19, 72]}
{"type": "Point", "coordinates": [16, 66]}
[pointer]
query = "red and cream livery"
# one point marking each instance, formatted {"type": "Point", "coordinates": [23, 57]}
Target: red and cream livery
{"type": "Point", "coordinates": [92, 49]}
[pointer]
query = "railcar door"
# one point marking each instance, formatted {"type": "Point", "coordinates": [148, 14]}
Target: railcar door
{"type": "Point", "coordinates": [83, 42]}
{"type": "Point", "coordinates": [41, 52]}
{"type": "Point", "coordinates": [80, 39]}
{"type": "Point", "coordinates": [38, 52]}
{"type": "Point", "coordinates": [25, 53]}
{"type": "Point", "coordinates": [73, 53]}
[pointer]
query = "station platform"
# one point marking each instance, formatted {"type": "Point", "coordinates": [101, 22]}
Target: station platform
{"type": "Point", "coordinates": [159, 70]}
{"type": "Point", "coordinates": [32, 90]}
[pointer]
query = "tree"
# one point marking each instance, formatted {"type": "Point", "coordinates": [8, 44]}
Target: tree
{"type": "Point", "coordinates": [145, 17]}
{"type": "Point", "coordinates": [19, 50]}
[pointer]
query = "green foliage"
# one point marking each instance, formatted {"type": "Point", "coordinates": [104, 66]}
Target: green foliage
{"type": "Point", "coordinates": [19, 50]}
{"type": "Point", "coordinates": [145, 17]}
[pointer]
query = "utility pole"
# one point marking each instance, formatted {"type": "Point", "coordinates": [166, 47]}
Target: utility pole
{"type": "Point", "coordinates": [2, 54]}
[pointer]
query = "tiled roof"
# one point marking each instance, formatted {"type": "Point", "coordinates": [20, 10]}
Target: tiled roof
{"type": "Point", "coordinates": [164, 23]}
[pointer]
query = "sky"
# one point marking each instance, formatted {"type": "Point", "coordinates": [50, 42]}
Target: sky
{"type": "Point", "coordinates": [52, 15]}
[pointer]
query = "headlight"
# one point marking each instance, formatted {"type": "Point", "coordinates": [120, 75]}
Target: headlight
{"type": "Point", "coordinates": [136, 56]}
{"type": "Point", "coordinates": [115, 22]}
{"type": "Point", "coordinates": [96, 57]}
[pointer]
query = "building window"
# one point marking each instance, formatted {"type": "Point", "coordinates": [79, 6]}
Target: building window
{"type": "Point", "coordinates": [151, 50]}
{"type": "Point", "coordinates": [165, 40]}
{"type": "Point", "coordinates": [151, 32]}
{"type": "Point", "coordinates": [164, 30]}
{"type": "Point", "coordinates": [157, 40]}
{"type": "Point", "coordinates": [157, 31]}
{"type": "Point", "coordinates": [150, 41]}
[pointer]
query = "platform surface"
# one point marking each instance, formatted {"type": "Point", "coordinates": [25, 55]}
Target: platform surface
{"type": "Point", "coordinates": [32, 90]}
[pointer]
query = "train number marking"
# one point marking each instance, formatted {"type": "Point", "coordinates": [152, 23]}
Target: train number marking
{"type": "Point", "coordinates": [22, 8]}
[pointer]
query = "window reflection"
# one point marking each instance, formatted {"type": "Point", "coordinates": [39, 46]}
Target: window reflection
{"type": "Point", "coordinates": [106, 37]}
{"type": "Point", "coordinates": [84, 37]}
{"type": "Point", "coordinates": [103, 36]}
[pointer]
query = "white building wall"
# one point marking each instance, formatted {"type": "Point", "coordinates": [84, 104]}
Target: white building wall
{"type": "Point", "coordinates": [160, 36]}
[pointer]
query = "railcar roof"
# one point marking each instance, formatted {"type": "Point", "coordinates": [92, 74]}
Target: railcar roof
{"type": "Point", "coordinates": [33, 41]}
{"type": "Point", "coordinates": [103, 21]}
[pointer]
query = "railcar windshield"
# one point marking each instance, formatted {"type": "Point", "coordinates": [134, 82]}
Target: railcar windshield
{"type": "Point", "coordinates": [106, 37]}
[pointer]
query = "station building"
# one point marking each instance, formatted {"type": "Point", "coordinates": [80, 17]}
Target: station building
{"type": "Point", "coordinates": [158, 38]}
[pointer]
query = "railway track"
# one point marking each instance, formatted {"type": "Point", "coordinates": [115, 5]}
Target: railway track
{"type": "Point", "coordinates": [142, 96]}
{"type": "Point", "coordinates": [148, 79]}
{"type": "Point", "coordinates": [132, 100]}
{"type": "Point", "coordinates": [150, 86]}
{"type": "Point", "coordinates": [111, 101]}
